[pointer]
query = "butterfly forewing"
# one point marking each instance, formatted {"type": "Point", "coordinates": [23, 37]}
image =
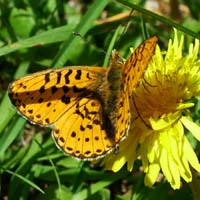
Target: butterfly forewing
{"type": "Point", "coordinates": [44, 97]}
{"type": "Point", "coordinates": [133, 71]}
{"type": "Point", "coordinates": [137, 63]}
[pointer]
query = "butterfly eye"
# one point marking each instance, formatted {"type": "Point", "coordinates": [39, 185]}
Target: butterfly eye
{"type": "Point", "coordinates": [120, 60]}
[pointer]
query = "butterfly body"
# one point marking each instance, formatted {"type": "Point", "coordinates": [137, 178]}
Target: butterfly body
{"type": "Point", "coordinates": [87, 107]}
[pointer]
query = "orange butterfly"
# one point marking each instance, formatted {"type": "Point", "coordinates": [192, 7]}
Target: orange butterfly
{"type": "Point", "coordinates": [87, 107]}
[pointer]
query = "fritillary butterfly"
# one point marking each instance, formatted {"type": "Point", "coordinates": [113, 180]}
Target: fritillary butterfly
{"type": "Point", "coordinates": [87, 107]}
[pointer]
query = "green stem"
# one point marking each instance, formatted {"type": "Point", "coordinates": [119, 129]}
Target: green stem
{"type": "Point", "coordinates": [159, 18]}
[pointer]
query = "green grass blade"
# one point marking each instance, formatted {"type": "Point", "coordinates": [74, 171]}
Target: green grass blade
{"type": "Point", "coordinates": [85, 24]}
{"type": "Point", "coordinates": [6, 106]}
{"type": "Point", "coordinates": [52, 36]}
{"type": "Point", "coordinates": [53, 166]}
{"type": "Point", "coordinates": [159, 18]}
{"type": "Point", "coordinates": [25, 180]}
{"type": "Point", "coordinates": [10, 135]}
{"type": "Point", "coordinates": [83, 194]}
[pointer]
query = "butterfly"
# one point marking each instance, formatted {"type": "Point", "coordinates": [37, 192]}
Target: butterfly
{"type": "Point", "coordinates": [87, 108]}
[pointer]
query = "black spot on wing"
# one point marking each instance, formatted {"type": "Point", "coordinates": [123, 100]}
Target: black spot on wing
{"type": "Point", "coordinates": [42, 89]}
{"type": "Point", "coordinates": [65, 89]}
{"type": "Point", "coordinates": [79, 113]}
{"type": "Point", "coordinates": [38, 116]}
{"type": "Point", "coordinates": [67, 81]}
{"type": "Point", "coordinates": [30, 111]}
{"type": "Point", "coordinates": [40, 100]}
{"type": "Point", "coordinates": [65, 99]}
{"type": "Point", "coordinates": [87, 152]}
{"type": "Point", "coordinates": [78, 90]}
{"type": "Point", "coordinates": [54, 89]}
{"type": "Point", "coordinates": [47, 78]}
{"type": "Point", "coordinates": [58, 77]}
{"type": "Point", "coordinates": [78, 74]}
{"type": "Point", "coordinates": [47, 120]}
{"type": "Point", "coordinates": [88, 75]}
{"type": "Point", "coordinates": [48, 104]}
{"type": "Point", "coordinates": [73, 134]}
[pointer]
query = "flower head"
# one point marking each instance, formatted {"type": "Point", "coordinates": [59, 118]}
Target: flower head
{"type": "Point", "coordinates": [161, 117]}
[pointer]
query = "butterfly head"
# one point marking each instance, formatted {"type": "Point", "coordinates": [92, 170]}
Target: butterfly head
{"type": "Point", "coordinates": [116, 59]}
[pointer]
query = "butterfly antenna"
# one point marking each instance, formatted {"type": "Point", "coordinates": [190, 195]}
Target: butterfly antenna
{"type": "Point", "coordinates": [127, 24]}
{"type": "Point", "coordinates": [87, 41]}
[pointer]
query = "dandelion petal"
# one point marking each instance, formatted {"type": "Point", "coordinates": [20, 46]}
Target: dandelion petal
{"type": "Point", "coordinates": [192, 127]}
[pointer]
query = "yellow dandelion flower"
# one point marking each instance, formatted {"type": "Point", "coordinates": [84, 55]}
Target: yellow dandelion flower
{"type": "Point", "coordinates": [161, 117]}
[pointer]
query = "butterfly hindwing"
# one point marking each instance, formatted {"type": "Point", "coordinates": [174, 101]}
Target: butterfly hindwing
{"type": "Point", "coordinates": [80, 132]}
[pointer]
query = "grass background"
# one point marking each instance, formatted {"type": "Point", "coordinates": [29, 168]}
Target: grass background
{"type": "Point", "coordinates": [38, 35]}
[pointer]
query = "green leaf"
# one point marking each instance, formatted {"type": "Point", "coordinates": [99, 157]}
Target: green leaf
{"type": "Point", "coordinates": [22, 22]}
